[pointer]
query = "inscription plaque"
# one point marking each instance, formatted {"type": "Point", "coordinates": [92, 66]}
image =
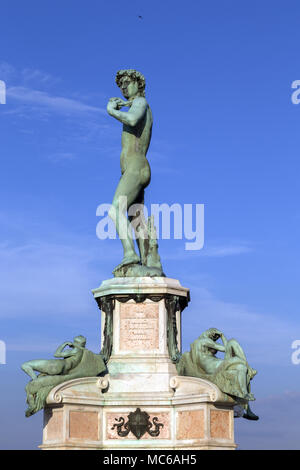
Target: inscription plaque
{"type": "Point", "coordinates": [139, 326]}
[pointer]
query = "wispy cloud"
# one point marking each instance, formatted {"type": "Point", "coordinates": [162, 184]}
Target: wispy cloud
{"type": "Point", "coordinates": [28, 74]}
{"type": "Point", "coordinates": [266, 337]}
{"type": "Point", "coordinates": [229, 249]}
{"type": "Point", "coordinates": [52, 279]}
{"type": "Point", "coordinates": [37, 75]}
{"type": "Point", "coordinates": [32, 102]}
{"type": "Point", "coordinates": [47, 266]}
{"type": "Point", "coordinates": [57, 104]}
{"type": "Point", "coordinates": [212, 250]}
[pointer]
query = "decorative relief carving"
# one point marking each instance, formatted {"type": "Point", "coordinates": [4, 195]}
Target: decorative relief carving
{"type": "Point", "coordinates": [172, 306]}
{"type": "Point", "coordinates": [107, 304]}
{"type": "Point", "coordinates": [138, 423]}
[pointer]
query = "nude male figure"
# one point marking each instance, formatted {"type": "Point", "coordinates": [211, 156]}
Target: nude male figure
{"type": "Point", "coordinates": [70, 359]}
{"type": "Point", "coordinates": [135, 169]}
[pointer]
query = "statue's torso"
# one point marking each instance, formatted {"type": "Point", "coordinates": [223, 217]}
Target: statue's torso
{"type": "Point", "coordinates": [206, 356]}
{"type": "Point", "coordinates": [72, 361]}
{"type": "Point", "coordinates": [135, 144]}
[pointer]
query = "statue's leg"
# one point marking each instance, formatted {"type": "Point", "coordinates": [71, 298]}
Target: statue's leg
{"type": "Point", "coordinates": [235, 355]}
{"type": "Point", "coordinates": [234, 349]}
{"type": "Point", "coordinates": [137, 219]}
{"type": "Point", "coordinates": [249, 413]}
{"type": "Point", "coordinates": [28, 369]}
{"type": "Point", "coordinates": [48, 367]}
{"type": "Point", "coordinates": [242, 375]}
{"type": "Point", "coordinates": [127, 191]}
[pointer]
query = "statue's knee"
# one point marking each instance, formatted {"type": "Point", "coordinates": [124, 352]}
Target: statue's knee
{"type": "Point", "coordinates": [232, 343]}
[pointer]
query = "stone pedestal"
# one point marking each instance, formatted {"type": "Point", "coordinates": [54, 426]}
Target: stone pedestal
{"type": "Point", "coordinates": [141, 403]}
{"type": "Point", "coordinates": [141, 332]}
{"type": "Point", "coordinates": [82, 415]}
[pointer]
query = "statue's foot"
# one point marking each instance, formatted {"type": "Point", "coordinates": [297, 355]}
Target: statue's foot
{"type": "Point", "coordinates": [250, 415]}
{"type": "Point", "coordinates": [253, 372]}
{"type": "Point", "coordinates": [249, 396]}
{"type": "Point", "coordinates": [130, 259]}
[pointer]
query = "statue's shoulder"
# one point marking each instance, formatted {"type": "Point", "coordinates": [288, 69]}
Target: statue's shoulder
{"type": "Point", "coordinates": [140, 101]}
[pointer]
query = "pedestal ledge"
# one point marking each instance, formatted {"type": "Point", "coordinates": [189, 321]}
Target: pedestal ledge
{"type": "Point", "coordinates": [140, 285]}
{"type": "Point", "coordinates": [97, 390]}
{"type": "Point", "coordinates": [191, 387]}
{"type": "Point", "coordinates": [87, 390]}
{"type": "Point", "coordinates": [141, 331]}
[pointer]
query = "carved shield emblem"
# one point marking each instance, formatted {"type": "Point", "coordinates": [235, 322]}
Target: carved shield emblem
{"type": "Point", "coordinates": [138, 423]}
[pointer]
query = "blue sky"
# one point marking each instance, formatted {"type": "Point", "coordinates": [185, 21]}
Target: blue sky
{"type": "Point", "coordinates": [225, 135]}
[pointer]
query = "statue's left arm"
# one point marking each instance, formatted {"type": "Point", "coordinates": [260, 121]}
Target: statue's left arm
{"type": "Point", "coordinates": [133, 116]}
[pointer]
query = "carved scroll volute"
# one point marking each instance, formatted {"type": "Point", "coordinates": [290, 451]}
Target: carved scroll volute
{"type": "Point", "coordinates": [107, 304]}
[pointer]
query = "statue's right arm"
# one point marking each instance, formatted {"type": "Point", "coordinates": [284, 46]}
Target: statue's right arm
{"type": "Point", "coordinates": [133, 116]}
{"type": "Point", "coordinates": [60, 353]}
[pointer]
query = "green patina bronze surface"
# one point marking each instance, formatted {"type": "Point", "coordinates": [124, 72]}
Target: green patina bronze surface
{"type": "Point", "coordinates": [172, 306]}
{"type": "Point", "coordinates": [136, 176]}
{"type": "Point", "coordinates": [72, 363]}
{"type": "Point", "coordinates": [232, 374]}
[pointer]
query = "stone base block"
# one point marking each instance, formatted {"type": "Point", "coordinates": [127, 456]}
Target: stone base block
{"type": "Point", "coordinates": [141, 331]}
{"type": "Point", "coordinates": [84, 414]}
{"type": "Point", "coordinates": [141, 403]}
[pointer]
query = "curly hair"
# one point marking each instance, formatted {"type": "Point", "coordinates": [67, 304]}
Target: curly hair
{"type": "Point", "coordinates": [134, 75]}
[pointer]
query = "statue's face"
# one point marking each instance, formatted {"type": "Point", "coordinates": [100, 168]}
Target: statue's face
{"type": "Point", "coordinates": [129, 87]}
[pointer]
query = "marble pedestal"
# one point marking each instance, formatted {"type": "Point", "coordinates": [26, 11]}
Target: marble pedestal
{"type": "Point", "coordinates": [141, 342]}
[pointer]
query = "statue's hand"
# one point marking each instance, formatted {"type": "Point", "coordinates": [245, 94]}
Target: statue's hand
{"type": "Point", "coordinates": [111, 105]}
{"type": "Point", "coordinates": [116, 103]}
{"type": "Point", "coordinates": [121, 103]}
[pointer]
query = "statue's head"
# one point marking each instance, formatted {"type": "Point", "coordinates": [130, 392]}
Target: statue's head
{"type": "Point", "coordinates": [79, 341]}
{"type": "Point", "coordinates": [131, 82]}
{"type": "Point", "coordinates": [212, 333]}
